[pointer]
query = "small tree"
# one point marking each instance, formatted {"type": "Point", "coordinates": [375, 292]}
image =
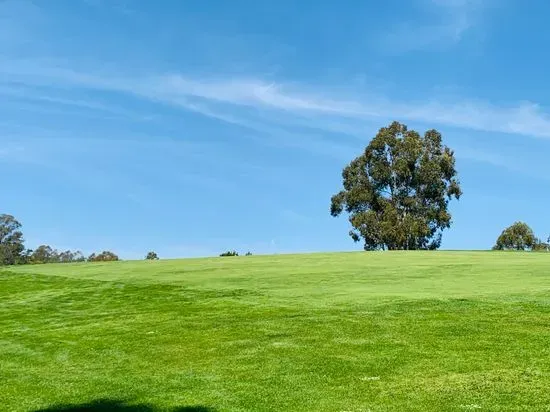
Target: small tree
{"type": "Point", "coordinates": [11, 241]}
{"type": "Point", "coordinates": [519, 236]}
{"type": "Point", "coordinates": [78, 256]}
{"type": "Point", "coordinates": [249, 253]}
{"type": "Point", "coordinates": [151, 256]}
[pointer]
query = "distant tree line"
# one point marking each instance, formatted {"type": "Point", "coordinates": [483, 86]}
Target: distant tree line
{"type": "Point", "coordinates": [46, 254]}
{"type": "Point", "coordinates": [13, 251]}
{"type": "Point", "coordinates": [396, 194]}
{"type": "Point", "coordinates": [234, 253]}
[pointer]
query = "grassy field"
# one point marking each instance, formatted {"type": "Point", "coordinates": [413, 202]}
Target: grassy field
{"type": "Point", "coordinates": [416, 331]}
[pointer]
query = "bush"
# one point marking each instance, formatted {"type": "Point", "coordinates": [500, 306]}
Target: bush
{"type": "Point", "coordinates": [151, 256]}
{"type": "Point", "coordinates": [105, 256]}
{"type": "Point", "coordinates": [229, 253]}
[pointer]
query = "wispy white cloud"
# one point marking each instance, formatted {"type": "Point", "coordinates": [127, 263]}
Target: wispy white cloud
{"type": "Point", "coordinates": [524, 118]}
{"type": "Point", "coordinates": [207, 95]}
{"type": "Point", "coordinates": [249, 92]}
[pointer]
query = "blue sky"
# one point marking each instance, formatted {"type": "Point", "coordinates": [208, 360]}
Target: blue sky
{"type": "Point", "coordinates": [194, 127]}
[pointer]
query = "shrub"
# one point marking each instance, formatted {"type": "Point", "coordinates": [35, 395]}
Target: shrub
{"type": "Point", "coordinates": [151, 256]}
{"type": "Point", "coordinates": [105, 256]}
{"type": "Point", "coordinates": [229, 253]}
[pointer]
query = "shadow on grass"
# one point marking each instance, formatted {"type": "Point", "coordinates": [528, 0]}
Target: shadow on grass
{"type": "Point", "coordinates": [108, 405]}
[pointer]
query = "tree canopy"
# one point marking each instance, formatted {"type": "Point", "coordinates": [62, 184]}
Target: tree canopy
{"type": "Point", "coordinates": [11, 240]}
{"type": "Point", "coordinates": [44, 254]}
{"type": "Point", "coordinates": [105, 256]}
{"type": "Point", "coordinates": [47, 254]}
{"type": "Point", "coordinates": [397, 192]}
{"type": "Point", "coordinates": [151, 256]}
{"type": "Point", "coordinates": [518, 236]}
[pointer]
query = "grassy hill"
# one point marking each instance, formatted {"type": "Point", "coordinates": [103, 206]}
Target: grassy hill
{"type": "Point", "coordinates": [322, 332]}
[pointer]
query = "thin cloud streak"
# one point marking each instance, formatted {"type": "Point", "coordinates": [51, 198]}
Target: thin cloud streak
{"type": "Point", "coordinates": [526, 118]}
{"type": "Point", "coordinates": [523, 118]}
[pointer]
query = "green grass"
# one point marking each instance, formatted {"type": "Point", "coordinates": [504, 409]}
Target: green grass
{"type": "Point", "coordinates": [411, 331]}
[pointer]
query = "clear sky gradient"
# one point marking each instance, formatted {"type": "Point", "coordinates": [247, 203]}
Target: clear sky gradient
{"type": "Point", "coordinates": [193, 127]}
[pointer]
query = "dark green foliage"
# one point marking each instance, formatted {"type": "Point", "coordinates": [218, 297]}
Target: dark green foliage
{"type": "Point", "coordinates": [519, 236]}
{"type": "Point", "coordinates": [229, 253]}
{"type": "Point", "coordinates": [249, 253]}
{"type": "Point", "coordinates": [397, 192]}
{"type": "Point", "coordinates": [44, 254]}
{"type": "Point", "coordinates": [11, 241]}
{"type": "Point", "coordinates": [69, 256]}
{"type": "Point", "coordinates": [151, 256]}
{"type": "Point", "coordinates": [105, 256]}
{"type": "Point", "coordinates": [26, 257]}
{"type": "Point", "coordinates": [47, 254]}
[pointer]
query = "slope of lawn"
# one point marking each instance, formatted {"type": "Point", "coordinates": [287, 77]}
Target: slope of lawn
{"type": "Point", "coordinates": [403, 331]}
